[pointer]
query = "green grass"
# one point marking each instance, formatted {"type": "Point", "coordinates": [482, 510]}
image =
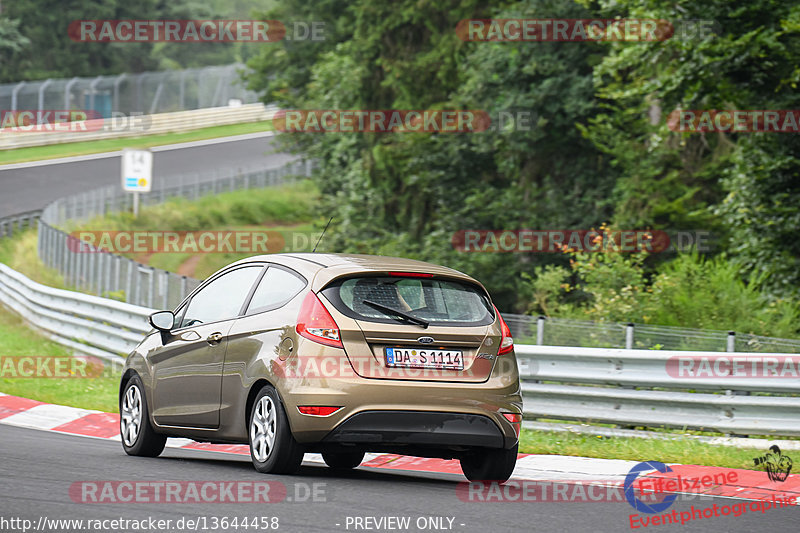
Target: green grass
{"type": "Point", "coordinates": [16, 339]}
{"type": "Point", "coordinates": [270, 206]}
{"type": "Point", "coordinates": [20, 253]}
{"type": "Point", "coordinates": [288, 210]}
{"type": "Point", "coordinates": [51, 151]}
{"type": "Point", "coordinates": [684, 451]}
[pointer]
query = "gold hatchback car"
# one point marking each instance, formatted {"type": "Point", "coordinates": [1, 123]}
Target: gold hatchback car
{"type": "Point", "coordinates": [330, 353]}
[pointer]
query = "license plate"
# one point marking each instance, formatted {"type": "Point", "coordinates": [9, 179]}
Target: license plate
{"type": "Point", "coordinates": [416, 358]}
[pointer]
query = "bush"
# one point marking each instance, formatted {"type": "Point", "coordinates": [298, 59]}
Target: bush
{"type": "Point", "coordinates": [689, 291]}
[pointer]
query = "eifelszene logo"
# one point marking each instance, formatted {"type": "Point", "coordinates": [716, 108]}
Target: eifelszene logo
{"type": "Point", "coordinates": [637, 503]}
{"type": "Point", "coordinates": [776, 464]}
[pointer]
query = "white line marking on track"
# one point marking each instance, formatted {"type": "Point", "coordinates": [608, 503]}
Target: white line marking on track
{"type": "Point", "coordinates": [46, 416]}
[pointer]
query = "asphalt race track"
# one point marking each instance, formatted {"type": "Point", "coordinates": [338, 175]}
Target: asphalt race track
{"type": "Point", "coordinates": [39, 467]}
{"type": "Point", "coordinates": [27, 187]}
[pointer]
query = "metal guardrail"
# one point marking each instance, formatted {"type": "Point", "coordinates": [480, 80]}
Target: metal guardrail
{"type": "Point", "coordinates": [595, 385]}
{"type": "Point", "coordinates": [22, 221]}
{"type": "Point", "coordinates": [87, 324]}
{"type": "Point", "coordinates": [586, 384]}
{"type": "Point", "coordinates": [570, 332]}
{"type": "Point", "coordinates": [618, 386]}
{"type": "Point", "coordinates": [161, 123]}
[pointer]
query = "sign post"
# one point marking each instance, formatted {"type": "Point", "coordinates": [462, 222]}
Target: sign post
{"type": "Point", "coordinates": [137, 173]}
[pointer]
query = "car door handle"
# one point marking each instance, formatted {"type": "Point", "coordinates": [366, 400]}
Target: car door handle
{"type": "Point", "coordinates": [214, 338]}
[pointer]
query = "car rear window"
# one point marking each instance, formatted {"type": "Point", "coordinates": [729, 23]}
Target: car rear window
{"type": "Point", "coordinates": [438, 301]}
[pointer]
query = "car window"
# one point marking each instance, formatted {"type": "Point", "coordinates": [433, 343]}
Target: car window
{"type": "Point", "coordinates": [179, 315]}
{"type": "Point", "coordinates": [448, 302]}
{"type": "Point", "coordinates": [277, 287]}
{"type": "Point", "coordinates": [222, 298]}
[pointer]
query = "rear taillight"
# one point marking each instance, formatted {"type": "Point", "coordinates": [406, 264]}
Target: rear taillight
{"type": "Point", "coordinates": [315, 323]}
{"type": "Point", "coordinates": [317, 410]}
{"type": "Point", "coordinates": [506, 342]}
{"type": "Point", "coordinates": [516, 421]}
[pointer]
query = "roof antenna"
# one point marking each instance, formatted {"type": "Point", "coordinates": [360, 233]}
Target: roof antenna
{"type": "Point", "coordinates": [321, 235]}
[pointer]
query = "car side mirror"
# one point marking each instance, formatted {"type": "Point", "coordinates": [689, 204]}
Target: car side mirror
{"type": "Point", "coordinates": [163, 321]}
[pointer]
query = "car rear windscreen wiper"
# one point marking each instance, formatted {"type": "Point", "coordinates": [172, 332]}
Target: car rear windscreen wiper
{"type": "Point", "coordinates": [401, 314]}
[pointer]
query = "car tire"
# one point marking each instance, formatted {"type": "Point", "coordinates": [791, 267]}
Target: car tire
{"type": "Point", "coordinates": [137, 434]}
{"type": "Point", "coordinates": [490, 465]}
{"type": "Point", "coordinates": [273, 448]}
{"type": "Point", "coordinates": [343, 460]}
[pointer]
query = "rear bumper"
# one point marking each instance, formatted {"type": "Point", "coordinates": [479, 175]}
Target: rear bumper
{"type": "Point", "coordinates": [404, 413]}
{"type": "Point", "coordinates": [377, 416]}
{"type": "Point", "coordinates": [419, 428]}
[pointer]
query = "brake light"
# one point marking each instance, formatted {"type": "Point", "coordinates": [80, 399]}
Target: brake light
{"type": "Point", "coordinates": [516, 421]}
{"type": "Point", "coordinates": [411, 274]}
{"type": "Point", "coordinates": [315, 323]}
{"type": "Point", "coordinates": [317, 410]}
{"type": "Point", "coordinates": [506, 342]}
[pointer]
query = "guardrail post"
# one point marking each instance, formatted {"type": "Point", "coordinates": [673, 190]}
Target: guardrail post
{"type": "Point", "coordinates": [91, 268]}
{"type": "Point", "coordinates": [182, 91]}
{"type": "Point", "coordinates": [129, 285]}
{"type": "Point", "coordinates": [39, 241]}
{"type": "Point", "coordinates": [151, 289]}
{"type": "Point", "coordinates": [59, 253]}
{"type": "Point", "coordinates": [72, 266]}
{"type": "Point", "coordinates": [55, 248]}
{"type": "Point", "coordinates": [115, 103]}
{"type": "Point", "coordinates": [42, 87]}
{"type": "Point", "coordinates": [14, 93]}
{"type": "Point", "coordinates": [165, 299]}
{"type": "Point", "coordinates": [93, 90]}
{"type": "Point", "coordinates": [110, 264]}
{"type": "Point", "coordinates": [629, 336]}
{"type": "Point", "coordinates": [731, 347]}
{"type": "Point", "coordinates": [76, 272]}
{"type": "Point", "coordinates": [64, 259]}
{"type": "Point", "coordinates": [67, 88]}
{"type": "Point", "coordinates": [117, 280]}
{"type": "Point", "coordinates": [540, 330]}
{"type": "Point", "coordinates": [84, 268]}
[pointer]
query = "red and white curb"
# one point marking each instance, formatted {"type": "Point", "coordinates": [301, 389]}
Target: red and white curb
{"type": "Point", "coordinates": [749, 485]}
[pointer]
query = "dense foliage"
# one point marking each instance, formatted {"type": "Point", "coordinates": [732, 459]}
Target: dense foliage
{"type": "Point", "coordinates": [34, 42]}
{"type": "Point", "coordinates": [600, 150]}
